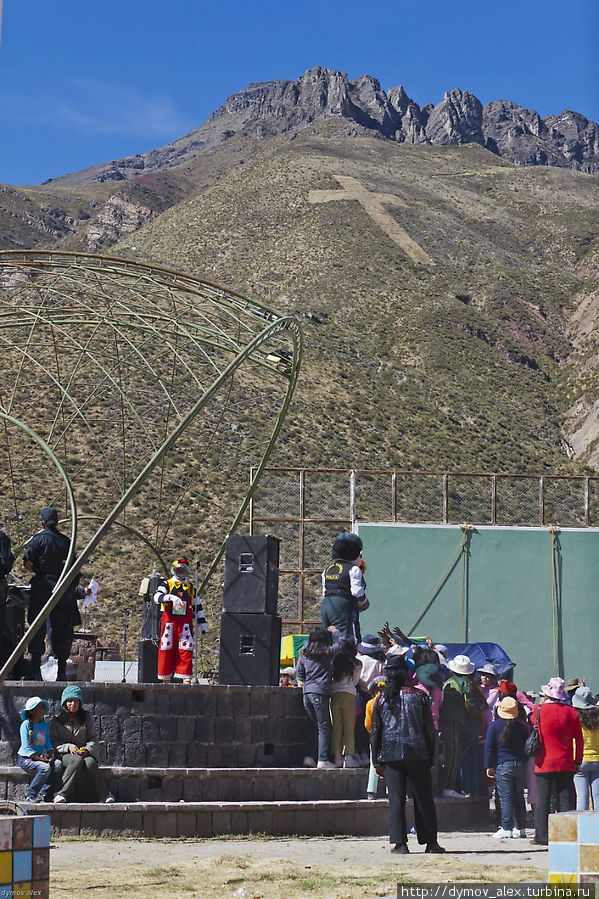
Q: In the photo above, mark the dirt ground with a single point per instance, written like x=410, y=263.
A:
x=279, y=868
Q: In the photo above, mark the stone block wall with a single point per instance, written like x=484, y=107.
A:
x=25, y=856
x=180, y=726
x=574, y=847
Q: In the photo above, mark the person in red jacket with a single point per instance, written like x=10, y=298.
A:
x=559, y=756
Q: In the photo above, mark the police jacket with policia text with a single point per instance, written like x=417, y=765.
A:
x=183, y=605
x=402, y=728
x=341, y=578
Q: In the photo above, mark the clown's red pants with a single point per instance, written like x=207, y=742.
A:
x=175, y=653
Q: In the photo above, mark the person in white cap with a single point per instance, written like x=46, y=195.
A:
x=460, y=715
x=586, y=779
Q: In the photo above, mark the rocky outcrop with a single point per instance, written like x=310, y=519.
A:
x=267, y=108
x=117, y=217
x=412, y=118
x=458, y=119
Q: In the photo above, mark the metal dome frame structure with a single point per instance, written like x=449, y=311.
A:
x=64, y=302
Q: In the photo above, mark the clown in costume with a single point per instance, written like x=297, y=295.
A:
x=176, y=598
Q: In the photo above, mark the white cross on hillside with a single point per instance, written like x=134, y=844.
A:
x=374, y=204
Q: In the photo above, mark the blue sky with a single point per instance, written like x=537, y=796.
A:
x=85, y=82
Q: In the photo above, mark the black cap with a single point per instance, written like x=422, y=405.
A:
x=49, y=515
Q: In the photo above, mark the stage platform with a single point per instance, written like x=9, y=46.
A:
x=229, y=763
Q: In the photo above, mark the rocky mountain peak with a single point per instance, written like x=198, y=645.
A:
x=262, y=110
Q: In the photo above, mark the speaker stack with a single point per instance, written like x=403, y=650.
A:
x=147, y=648
x=250, y=629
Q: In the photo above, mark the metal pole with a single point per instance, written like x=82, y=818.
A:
x=195, y=634
x=494, y=499
x=542, y=500
x=302, y=545
x=125, y=629
x=587, y=503
x=394, y=496
x=352, y=499
x=445, y=501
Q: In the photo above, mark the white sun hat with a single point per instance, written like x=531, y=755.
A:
x=461, y=665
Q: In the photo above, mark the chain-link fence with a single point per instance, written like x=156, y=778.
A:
x=306, y=507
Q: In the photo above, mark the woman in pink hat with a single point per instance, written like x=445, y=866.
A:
x=559, y=756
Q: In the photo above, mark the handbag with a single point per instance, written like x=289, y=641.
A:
x=533, y=743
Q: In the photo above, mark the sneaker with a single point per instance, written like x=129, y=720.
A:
x=352, y=762
x=502, y=834
x=309, y=762
x=328, y=766
x=38, y=798
x=451, y=794
x=518, y=834
x=60, y=798
x=435, y=849
x=109, y=798
x=338, y=761
x=371, y=795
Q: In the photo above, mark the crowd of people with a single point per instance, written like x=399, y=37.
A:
x=419, y=719
x=440, y=725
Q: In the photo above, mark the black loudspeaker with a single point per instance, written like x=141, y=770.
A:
x=151, y=613
x=147, y=662
x=251, y=574
x=250, y=649
x=13, y=628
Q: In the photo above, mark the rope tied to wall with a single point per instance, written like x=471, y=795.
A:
x=458, y=555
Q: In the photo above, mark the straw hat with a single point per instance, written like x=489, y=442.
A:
x=508, y=708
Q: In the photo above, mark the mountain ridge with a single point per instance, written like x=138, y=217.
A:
x=263, y=109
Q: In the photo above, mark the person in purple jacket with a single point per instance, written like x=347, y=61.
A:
x=505, y=760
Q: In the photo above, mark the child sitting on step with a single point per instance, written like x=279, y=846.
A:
x=36, y=753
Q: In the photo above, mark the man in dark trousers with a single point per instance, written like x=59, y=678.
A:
x=342, y=585
x=45, y=555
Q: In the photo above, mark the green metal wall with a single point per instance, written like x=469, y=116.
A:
x=499, y=590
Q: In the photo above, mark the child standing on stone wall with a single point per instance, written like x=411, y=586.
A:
x=314, y=670
x=346, y=674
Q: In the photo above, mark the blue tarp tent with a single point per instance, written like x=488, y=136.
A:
x=481, y=654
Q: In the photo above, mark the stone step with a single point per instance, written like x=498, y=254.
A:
x=176, y=726
x=211, y=784
x=211, y=819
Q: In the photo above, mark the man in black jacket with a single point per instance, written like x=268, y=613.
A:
x=403, y=744
x=46, y=555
